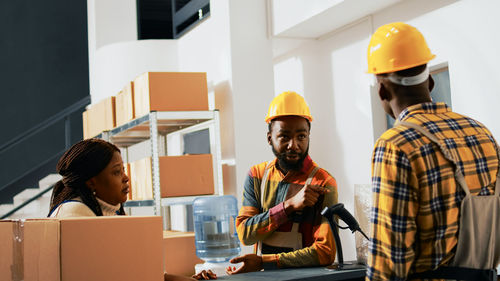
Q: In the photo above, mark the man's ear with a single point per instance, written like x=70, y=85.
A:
x=269, y=138
x=383, y=92
x=431, y=83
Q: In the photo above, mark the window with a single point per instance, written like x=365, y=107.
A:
x=169, y=19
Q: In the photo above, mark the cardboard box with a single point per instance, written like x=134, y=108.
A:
x=180, y=253
x=85, y=119
x=35, y=256
x=170, y=91
x=141, y=179
x=186, y=175
x=125, y=105
x=77, y=249
x=126, y=166
x=99, y=117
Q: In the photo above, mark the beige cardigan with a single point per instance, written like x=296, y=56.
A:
x=79, y=209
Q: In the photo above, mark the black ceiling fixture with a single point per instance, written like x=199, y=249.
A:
x=169, y=19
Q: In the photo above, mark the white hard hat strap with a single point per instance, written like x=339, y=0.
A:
x=409, y=80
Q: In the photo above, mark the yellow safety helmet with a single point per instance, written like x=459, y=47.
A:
x=397, y=46
x=288, y=103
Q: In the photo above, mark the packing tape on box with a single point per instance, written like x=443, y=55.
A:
x=18, y=250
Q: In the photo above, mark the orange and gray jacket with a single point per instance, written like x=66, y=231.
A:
x=257, y=221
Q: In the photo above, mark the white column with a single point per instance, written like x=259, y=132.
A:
x=253, y=83
x=115, y=54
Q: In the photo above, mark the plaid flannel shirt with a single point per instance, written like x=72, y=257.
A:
x=255, y=222
x=416, y=202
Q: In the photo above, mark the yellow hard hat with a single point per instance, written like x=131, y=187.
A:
x=288, y=103
x=397, y=46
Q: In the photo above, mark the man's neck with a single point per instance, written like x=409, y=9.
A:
x=401, y=104
x=282, y=170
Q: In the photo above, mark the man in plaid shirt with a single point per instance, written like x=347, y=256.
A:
x=416, y=201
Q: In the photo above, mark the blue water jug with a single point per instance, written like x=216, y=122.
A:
x=214, y=227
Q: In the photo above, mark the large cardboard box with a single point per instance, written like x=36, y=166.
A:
x=141, y=179
x=186, y=175
x=29, y=250
x=85, y=119
x=175, y=243
x=170, y=91
x=125, y=105
x=99, y=117
x=126, y=167
x=77, y=249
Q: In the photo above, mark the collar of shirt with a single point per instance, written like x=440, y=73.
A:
x=427, y=107
x=108, y=209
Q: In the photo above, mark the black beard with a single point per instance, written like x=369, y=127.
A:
x=287, y=166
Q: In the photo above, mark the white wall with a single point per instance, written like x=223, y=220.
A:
x=109, y=22
x=115, y=20
x=119, y=63
x=296, y=11
x=237, y=57
x=462, y=33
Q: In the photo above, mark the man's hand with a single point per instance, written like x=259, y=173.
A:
x=251, y=262
x=306, y=197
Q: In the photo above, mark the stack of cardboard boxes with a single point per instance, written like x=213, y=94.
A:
x=185, y=175
x=98, y=249
x=93, y=248
x=157, y=91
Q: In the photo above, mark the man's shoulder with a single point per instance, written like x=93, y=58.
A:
x=257, y=170
x=324, y=176
x=451, y=125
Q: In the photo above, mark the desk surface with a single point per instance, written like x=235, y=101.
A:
x=308, y=273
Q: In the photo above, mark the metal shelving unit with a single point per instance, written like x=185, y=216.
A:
x=155, y=126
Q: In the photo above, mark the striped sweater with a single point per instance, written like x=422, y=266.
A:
x=255, y=222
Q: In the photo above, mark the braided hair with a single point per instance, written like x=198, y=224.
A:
x=84, y=160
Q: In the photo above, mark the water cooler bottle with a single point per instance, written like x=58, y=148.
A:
x=215, y=232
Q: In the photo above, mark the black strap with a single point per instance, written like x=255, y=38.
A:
x=457, y=273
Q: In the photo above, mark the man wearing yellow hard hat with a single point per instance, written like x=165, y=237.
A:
x=283, y=197
x=427, y=172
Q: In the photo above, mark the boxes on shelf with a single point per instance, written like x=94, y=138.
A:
x=85, y=119
x=125, y=105
x=126, y=167
x=99, y=117
x=141, y=180
x=186, y=175
x=170, y=91
x=77, y=249
x=179, y=242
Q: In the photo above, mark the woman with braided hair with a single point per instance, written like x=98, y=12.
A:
x=94, y=182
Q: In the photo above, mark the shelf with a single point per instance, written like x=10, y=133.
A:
x=155, y=127
x=138, y=130
x=184, y=200
x=139, y=203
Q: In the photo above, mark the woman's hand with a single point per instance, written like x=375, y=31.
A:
x=205, y=275
x=251, y=262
